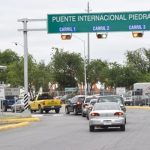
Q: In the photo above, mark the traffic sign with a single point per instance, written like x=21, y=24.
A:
x=71, y=89
x=98, y=22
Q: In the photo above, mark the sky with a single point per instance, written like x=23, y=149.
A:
x=40, y=43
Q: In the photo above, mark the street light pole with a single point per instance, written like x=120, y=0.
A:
x=85, y=86
x=25, y=56
x=88, y=35
x=25, y=46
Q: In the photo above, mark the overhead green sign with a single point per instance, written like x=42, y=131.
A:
x=98, y=22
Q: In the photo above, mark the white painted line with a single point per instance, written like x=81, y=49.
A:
x=37, y=115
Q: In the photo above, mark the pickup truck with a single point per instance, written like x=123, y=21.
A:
x=7, y=103
x=44, y=102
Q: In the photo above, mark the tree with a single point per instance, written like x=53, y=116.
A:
x=122, y=76
x=67, y=68
x=96, y=71
x=140, y=59
x=41, y=76
x=8, y=56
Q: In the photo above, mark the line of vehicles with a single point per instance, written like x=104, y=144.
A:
x=42, y=102
x=101, y=111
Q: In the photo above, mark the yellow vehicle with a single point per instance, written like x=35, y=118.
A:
x=45, y=102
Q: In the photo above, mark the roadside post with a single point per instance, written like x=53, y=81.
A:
x=2, y=97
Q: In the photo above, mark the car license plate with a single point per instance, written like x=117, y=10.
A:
x=107, y=122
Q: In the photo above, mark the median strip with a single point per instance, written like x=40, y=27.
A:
x=11, y=123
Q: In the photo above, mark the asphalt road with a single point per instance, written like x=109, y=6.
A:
x=70, y=132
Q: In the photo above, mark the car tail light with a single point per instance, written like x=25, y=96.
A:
x=95, y=114
x=78, y=103
x=118, y=114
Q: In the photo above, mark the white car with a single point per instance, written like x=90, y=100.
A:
x=107, y=114
x=18, y=106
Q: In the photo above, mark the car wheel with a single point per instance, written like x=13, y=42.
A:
x=67, y=111
x=20, y=110
x=30, y=109
x=46, y=111
x=125, y=120
x=122, y=127
x=87, y=116
x=4, y=108
x=40, y=109
x=75, y=111
x=91, y=128
x=57, y=110
x=83, y=115
x=12, y=110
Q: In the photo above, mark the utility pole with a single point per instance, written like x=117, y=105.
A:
x=25, y=30
x=88, y=43
x=88, y=36
x=25, y=46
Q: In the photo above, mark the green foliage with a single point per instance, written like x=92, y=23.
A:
x=15, y=74
x=139, y=59
x=67, y=68
x=123, y=76
x=96, y=71
x=41, y=76
x=7, y=57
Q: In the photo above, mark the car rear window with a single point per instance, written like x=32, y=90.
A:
x=110, y=99
x=44, y=96
x=88, y=99
x=81, y=99
x=106, y=107
x=92, y=102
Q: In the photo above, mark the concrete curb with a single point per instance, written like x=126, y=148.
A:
x=12, y=126
x=16, y=122
x=139, y=107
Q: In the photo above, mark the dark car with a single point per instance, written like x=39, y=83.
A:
x=8, y=102
x=113, y=98
x=74, y=104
